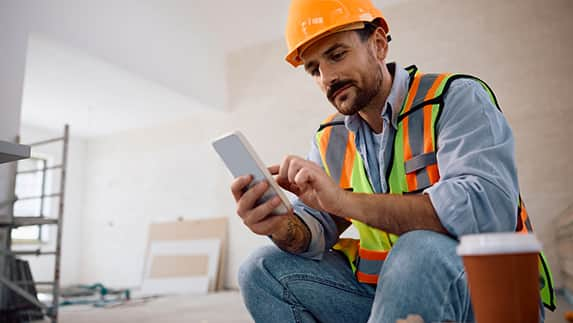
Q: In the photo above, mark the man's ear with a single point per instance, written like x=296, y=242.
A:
x=380, y=44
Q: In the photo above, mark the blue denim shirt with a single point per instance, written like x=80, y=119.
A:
x=478, y=188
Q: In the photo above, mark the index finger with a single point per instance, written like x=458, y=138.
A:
x=274, y=169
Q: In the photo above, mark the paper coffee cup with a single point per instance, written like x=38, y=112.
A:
x=503, y=276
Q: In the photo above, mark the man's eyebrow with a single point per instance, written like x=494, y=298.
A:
x=308, y=66
x=333, y=48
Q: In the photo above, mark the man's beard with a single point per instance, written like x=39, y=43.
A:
x=363, y=95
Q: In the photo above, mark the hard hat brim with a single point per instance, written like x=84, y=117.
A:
x=293, y=57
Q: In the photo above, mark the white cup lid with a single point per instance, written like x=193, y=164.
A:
x=498, y=243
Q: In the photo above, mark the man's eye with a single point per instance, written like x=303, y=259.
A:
x=338, y=56
x=314, y=72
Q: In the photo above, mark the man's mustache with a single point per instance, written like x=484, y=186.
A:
x=335, y=87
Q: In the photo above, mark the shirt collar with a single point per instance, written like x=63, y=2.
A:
x=394, y=100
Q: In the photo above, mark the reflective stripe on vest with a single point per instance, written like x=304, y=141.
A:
x=336, y=167
x=368, y=265
x=415, y=162
x=546, y=279
x=419, y=154
x=413, y=169
x=340, y=162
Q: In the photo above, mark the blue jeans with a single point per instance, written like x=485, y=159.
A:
x=421, y=275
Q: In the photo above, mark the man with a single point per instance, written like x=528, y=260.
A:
x=426, y=158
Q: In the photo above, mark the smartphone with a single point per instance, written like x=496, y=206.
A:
x=241, y=159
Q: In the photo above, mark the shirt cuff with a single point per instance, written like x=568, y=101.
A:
x=316, y=247
x=447, y=209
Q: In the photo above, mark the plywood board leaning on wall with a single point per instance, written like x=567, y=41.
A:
x=181, y=267
x=194, y=230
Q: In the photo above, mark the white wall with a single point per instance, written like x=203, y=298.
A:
x=142, y=176
x=43, y=267
x=164, y=41
x=521, y=48
x=65, y=84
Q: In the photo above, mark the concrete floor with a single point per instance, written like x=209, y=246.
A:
x=224, y=307
x=559, y=315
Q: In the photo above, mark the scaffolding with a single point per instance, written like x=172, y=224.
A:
x=22, y=284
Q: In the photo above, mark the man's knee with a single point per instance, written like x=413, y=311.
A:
x=421, y=251
x=252, y=269
x=265, y=264
x=422, y=274
x=424, y=239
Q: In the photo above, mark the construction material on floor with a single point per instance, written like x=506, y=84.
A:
x=185, y=257
x=181, y=267
x=97, y=295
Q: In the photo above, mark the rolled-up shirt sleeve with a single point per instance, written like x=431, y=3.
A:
x=478, y=187
x=322, y=227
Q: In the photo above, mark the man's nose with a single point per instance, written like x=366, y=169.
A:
x=329, y=76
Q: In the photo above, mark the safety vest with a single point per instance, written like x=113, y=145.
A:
x=413, y=169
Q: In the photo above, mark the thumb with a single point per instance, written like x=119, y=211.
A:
x=273, y=169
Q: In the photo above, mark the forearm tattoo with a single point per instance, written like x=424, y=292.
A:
x=296, y=238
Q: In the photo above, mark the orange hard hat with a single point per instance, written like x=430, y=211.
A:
x=309, y=20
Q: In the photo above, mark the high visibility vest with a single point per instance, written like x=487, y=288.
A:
x=413, y=169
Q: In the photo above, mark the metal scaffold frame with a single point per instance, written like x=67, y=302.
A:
x=10, y=222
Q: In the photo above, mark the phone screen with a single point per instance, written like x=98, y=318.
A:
x=241, y=159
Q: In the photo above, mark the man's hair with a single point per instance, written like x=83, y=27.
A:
x=367, y=31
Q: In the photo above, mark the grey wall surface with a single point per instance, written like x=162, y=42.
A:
x=13, y=36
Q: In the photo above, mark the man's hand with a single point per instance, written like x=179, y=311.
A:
x=310, y=183
x=256, y=217
x=287, y=230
